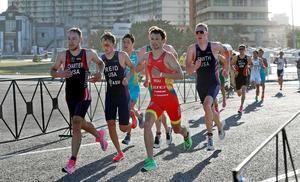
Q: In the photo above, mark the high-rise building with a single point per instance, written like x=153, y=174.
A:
x=227, y=18
x=93, y=14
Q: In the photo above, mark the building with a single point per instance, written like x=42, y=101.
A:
x=237, y=21
x=101, y=14
x=16, y=32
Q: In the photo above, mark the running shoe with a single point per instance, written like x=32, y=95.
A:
x=118, y=157
x=157, y=142
x=70, y=167
x=149, y=165
x=141, y=120
x=133, y=120
x=188, y=142
x=126, y=140
x=221, y=133
x=210, y=144
x=169, y=136
x=102, y=140
x=240, y=110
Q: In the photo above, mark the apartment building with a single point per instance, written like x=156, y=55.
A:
x=247, y=18
x=91, y=15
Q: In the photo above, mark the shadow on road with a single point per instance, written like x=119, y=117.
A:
x=8, y=155
x=252, y=107
x=279, y=95
x=126, y=175
x=176, y=150
x=232, y=121
x=196, y=123
x=91, y=172
x=192, y=174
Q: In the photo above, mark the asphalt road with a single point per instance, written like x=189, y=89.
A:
x=41, y=158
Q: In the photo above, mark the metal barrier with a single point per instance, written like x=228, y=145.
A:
x=236, y=171
x=40, y=103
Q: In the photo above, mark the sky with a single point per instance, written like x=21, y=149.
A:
x=275, y=6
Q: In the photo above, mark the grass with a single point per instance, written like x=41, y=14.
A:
x=25, y=67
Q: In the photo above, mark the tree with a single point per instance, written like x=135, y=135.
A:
x=94, y=40
x=179, y=39
x=290, y=40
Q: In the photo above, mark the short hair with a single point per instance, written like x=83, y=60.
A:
x=129, y=36
x=76, y=30
x=281, y=52
x=108, y=36
x=201, y=25
x=261, y=50
x=151, y=28
x=160, y=31
x=242, y=46
x=255, y=51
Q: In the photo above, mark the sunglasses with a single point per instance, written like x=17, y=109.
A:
x=241, y=49
x=200, y=32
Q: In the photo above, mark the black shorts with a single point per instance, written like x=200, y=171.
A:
x=114, y=103
x=212, y=91
x=78, y=107
x=240, y=81
x=279, y=73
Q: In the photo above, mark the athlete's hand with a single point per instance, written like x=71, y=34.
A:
x=95, y=77
x=65, y=73
x=155, y=73
x=197, y=64
x=125, y=81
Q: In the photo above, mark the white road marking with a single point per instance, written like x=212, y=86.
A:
x=44, y=151
x=281, y=177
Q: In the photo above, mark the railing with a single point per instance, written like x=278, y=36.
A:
x=35, y=106
x=236, y=172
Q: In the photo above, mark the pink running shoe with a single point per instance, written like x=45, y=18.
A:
x=102, y=140
x=240, y=110
x=119, y=157
x=70, y=167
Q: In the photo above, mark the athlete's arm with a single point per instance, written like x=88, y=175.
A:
x=275, y=60
x=191, y=67
x=224, y=63
x=285, y=62
x=172, y=64
x=171, y=49
x=59, y=61
x=99, y=67
x=141, y=60
x=125, y=62
x=233, y=64
x=265, y=62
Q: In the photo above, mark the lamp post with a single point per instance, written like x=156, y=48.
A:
x=293, y=27
x=54, y=32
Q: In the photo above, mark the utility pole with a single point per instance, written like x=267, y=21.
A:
x=293, y=27
x=54, y=22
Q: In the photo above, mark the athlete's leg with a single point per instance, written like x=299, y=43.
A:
x=90, y=128
x=244, y=88
x=76, y=138
x=113, y=134
x=208, y=117
x=148, y=135
x=223, y=95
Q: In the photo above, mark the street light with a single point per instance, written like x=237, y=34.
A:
x=293, y=27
